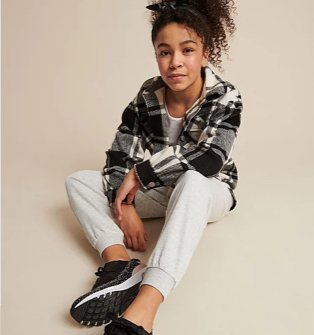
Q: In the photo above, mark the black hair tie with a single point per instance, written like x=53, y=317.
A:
x=165, y=6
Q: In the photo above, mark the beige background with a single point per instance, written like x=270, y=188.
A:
x=69, y=67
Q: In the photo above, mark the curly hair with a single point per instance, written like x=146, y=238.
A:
x=210, y=19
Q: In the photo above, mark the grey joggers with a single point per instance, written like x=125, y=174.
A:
x=187, y=208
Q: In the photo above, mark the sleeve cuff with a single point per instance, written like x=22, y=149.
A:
x=146, y=175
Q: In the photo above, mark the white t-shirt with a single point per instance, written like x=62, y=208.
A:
x=176, y=123
x=175, y=127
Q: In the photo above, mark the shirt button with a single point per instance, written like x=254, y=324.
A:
x=151, y=184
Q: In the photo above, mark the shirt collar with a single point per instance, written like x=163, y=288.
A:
x=212, y=82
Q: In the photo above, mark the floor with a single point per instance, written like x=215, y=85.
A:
x=251, y=273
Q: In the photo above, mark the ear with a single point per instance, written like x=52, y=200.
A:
x=205, y=58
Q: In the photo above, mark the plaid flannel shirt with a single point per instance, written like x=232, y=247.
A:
x=204, y=145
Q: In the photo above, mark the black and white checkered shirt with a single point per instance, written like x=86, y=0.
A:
x=205, y=143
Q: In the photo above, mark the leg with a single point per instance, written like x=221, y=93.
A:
x=91, y=208
x=149, y=204
x=90, y=205
x=195, y=201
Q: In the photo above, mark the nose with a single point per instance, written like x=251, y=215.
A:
x=176, y=61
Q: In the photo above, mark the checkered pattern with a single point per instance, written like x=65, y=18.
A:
x=205, y=143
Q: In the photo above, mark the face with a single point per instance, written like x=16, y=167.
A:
x=180, y=57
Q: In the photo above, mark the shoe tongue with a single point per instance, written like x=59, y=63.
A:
x=115, y=265
x=111, y=270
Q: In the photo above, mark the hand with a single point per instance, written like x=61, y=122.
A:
x=128, y=188
x=135, y=237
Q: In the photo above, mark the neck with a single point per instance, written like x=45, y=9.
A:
x=185, y=98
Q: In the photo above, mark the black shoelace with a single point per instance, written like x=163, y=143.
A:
x=100, y=271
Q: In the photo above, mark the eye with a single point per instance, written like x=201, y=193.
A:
x=188, y=50
x=164, y=53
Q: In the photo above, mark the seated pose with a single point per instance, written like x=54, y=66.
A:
x=187, y=119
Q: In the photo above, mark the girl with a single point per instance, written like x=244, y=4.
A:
x=187, y=118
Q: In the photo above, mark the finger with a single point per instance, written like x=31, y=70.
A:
x=117, y=204
x=142, y=243
x=115, y=211
x=135, y=243
x=130, y=198
x=114, y=207
x=128, y=242
x=143, y=240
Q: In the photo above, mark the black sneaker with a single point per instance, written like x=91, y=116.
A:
x=121, y=326
x=113, y=291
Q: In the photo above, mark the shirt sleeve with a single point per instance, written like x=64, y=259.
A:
x=125, y=151
x=207, y=156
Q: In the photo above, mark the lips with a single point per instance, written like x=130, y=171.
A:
x=177, y=77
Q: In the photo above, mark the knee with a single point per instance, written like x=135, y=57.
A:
x=74, y=178
x=191, y=178
x=191, y=181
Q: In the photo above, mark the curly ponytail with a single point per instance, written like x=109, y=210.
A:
x=210, y=19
